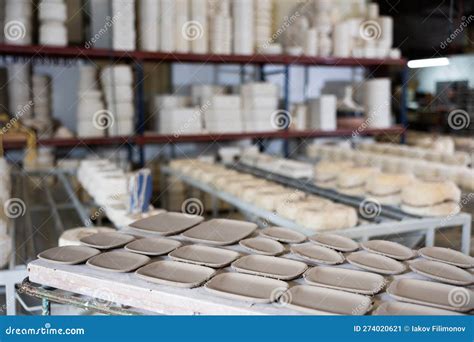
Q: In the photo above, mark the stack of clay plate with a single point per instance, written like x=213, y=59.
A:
x=224, y=115
x=42, y=105
x=243, y=20
x=445, y=289
x=123, y=31
x=149, y=21
x=221, y=32
x=260, y=107
x=18, y=22
x=53, y=16
x=352, y=181
x=117, y=82
x=182, y=37
x=199, y=35
x=167, y=26
x=5, y=191
x=19, y=92
x=263, y=23
x=90, y=103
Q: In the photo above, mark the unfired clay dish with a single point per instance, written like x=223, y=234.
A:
x=220, y=232
x=389, y=248
x=152, y=246
x=324, y=301
x=246, y=287
x=167, y=223
x=69, y=255
x=395, y=308
x=431, y=293
x=448, y=256
x=268, y=266
x=283, y=235
x=337, y=242
x=173, y=273
x=204, y=255
x=376, y=263
x=345, y=279
x=442, y=272
x=318, y=254
x=263, y=246
x=106, y=240
x=118, y=261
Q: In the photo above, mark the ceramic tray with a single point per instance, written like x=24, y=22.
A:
x=106, y=240
x=268, y=266
x=173, y=273
x=320, y=300
x=442, y=272
x=246, y=287
x=263, y=246
x=431, y=293
x=167, y=223
x=395, y=308
x=152, y=246
x=318, y=254
x=283, y=235
x=388, y=248
x=69, y=255
x=447, y=256
x=345, y=279
x=337, y=242
x=376, y=263
x=118, y=261
x=204, y=255
x=220, y=232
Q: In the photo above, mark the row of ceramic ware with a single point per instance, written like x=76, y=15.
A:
x=10, y=207
x=427, y=170
x=312, y=212
x=234, y=260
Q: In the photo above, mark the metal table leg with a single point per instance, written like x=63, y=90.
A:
x=430, y=237
x=466, y=236
x=45, y=307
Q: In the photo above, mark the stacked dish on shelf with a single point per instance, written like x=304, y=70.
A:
x=149, y=24
x=53, y=16
x=42, y=90
x=224, y=114
x=17, y=28
x=221, y=29
x=329, y=274
x=182, y=38
x=124, y=34
x=260, y=107
x=243, y=20
x=198, y=33
x=263, y=24
x=117, y=83
x=90, y=103
x=10, y=208
x=19, y=91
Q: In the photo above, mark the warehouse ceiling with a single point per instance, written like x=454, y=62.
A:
x=422, y=27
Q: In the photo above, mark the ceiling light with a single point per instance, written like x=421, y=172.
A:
x=428, y=62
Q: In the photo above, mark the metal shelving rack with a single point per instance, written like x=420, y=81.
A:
x=138, y=58
x=390, y=221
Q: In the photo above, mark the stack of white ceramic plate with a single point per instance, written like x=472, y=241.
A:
x=167, y=25
x=263, y=23
x=224, y=114
x=199, y=34
x=311, y=42
x=5, y=249
x=5, y=192
x=19, y=92
x=53, y=15
x=89, y=103
x=123, y=32
x=42, y=105
x=149, y=25
x=180, y=121
x=243, y=14
x=322, y=113
x=260, y=105
x=183, y=36
x=166, y=123
x=201, y=94
x=17, y=22
x=221, y=35
x=377, y=102
x=117, y=81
